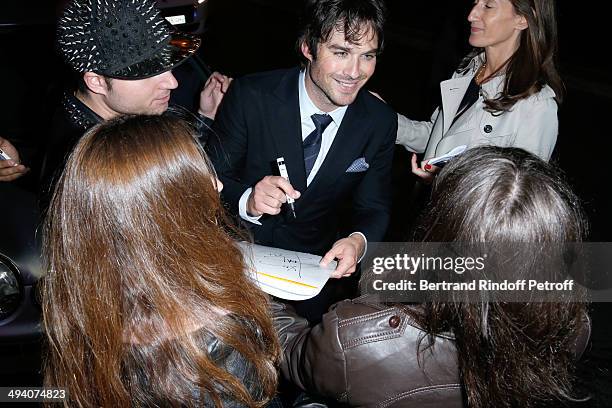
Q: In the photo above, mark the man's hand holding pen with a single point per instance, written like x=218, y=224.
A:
x=269, y=194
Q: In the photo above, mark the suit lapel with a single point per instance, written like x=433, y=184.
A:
x=349, y=141
x=452, y=91
x=287, y=127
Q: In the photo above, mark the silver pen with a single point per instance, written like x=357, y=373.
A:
x=282, y=169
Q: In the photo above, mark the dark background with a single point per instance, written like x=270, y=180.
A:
x=424, y=42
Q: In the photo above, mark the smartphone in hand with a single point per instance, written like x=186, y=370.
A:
x=4, y=156
x=444, y=159
x=441, y=163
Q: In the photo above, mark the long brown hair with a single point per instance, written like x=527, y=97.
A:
x=142, y=276
x=510, y=354
x=532, y=66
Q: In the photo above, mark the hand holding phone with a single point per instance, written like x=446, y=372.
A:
x=10, y=169
x=4, y=155
x=441, y=161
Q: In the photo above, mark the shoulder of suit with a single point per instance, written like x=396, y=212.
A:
x=375, y=105
x=266, y=80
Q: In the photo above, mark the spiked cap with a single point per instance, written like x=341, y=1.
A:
x=125, y=39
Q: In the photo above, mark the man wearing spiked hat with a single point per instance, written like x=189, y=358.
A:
x=123, y=52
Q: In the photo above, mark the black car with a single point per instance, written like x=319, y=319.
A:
x=22, y=117
x=20, y=268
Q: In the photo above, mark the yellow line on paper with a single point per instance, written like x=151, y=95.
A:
x=287, y=280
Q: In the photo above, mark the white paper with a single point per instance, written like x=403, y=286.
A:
x=445, y=157
x=286, y=274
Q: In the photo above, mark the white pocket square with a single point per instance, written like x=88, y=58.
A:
x=358, y=166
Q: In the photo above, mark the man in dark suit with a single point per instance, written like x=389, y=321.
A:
x=336, y=139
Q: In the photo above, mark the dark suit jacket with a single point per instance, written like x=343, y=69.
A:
x=259, y=121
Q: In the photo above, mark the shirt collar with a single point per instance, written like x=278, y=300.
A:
x=308, y=108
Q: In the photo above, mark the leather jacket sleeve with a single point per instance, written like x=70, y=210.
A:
x=365, y=353
x=234, y=363
x=313, y=357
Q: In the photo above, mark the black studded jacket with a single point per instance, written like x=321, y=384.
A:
x=71, y=120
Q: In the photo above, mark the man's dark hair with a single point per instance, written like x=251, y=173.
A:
x=355, y=18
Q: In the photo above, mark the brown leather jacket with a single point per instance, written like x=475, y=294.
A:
x=364, y=354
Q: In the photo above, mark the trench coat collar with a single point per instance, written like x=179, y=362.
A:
x=453, y=90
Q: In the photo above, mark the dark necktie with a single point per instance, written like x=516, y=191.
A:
x=312, y=143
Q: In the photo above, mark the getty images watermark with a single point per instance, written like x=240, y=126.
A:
x=510, y=272
x=458, y=265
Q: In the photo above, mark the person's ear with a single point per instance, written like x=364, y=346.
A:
x=95, y=83
x=521, y=22
x=305, y=49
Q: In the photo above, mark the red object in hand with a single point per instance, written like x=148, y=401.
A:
x=427, y=166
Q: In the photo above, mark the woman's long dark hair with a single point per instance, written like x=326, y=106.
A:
x=532, y=66
x=510, y=354
x=142, y=277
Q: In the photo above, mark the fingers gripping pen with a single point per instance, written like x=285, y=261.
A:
x=282, y=169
